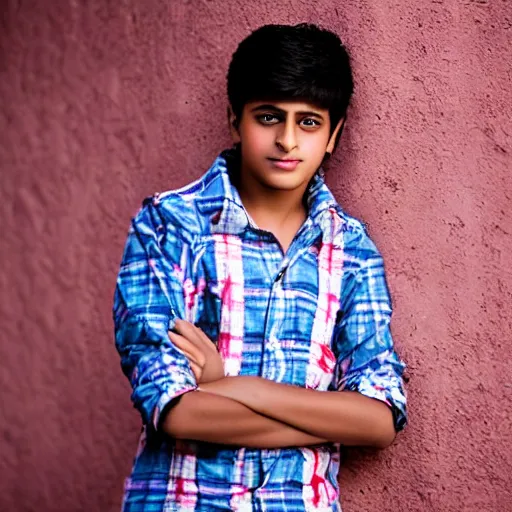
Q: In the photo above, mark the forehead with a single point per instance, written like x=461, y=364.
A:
x=288, y=106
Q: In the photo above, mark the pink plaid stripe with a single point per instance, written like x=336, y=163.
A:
x=182, y=489
x=240, y=495
x=330, y=273
x=318, y=491
x=230, y=276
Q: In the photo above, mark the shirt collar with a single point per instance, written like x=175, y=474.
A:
x=221, y=201
x=320, y=199
x=219, y=198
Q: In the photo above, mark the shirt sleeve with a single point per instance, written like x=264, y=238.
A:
x=366, y=359
x=148, y=299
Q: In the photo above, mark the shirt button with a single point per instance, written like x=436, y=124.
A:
x=281, y=274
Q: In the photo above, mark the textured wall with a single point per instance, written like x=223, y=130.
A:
x=104, y=102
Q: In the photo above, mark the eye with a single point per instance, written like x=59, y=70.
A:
x=309, y=122
x=268, y=119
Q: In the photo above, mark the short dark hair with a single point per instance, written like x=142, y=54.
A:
x=283, y=62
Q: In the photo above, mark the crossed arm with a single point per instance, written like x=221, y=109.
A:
x=255, y=412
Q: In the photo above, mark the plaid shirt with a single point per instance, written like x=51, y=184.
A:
x=316, y=317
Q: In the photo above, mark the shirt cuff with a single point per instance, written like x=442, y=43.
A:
x=393, y=396
x=164, y=401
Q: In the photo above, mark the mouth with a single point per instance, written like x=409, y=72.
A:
x=287, y=164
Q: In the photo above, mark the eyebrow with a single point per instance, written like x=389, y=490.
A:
x=269, y=106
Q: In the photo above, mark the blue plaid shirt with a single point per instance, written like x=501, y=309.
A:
x=317, y=317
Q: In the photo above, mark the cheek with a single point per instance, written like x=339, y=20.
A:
x=316, y=147
x=255, y=143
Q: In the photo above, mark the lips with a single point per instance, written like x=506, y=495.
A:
x=285, y=164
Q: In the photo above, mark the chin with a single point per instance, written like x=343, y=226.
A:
x=285, y=183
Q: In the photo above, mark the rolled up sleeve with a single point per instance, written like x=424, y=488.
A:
x=148, y=299
x=366, y=359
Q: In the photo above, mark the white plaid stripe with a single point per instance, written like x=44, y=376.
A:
x=230, y=277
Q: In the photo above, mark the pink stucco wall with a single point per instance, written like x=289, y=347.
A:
x=104, y=102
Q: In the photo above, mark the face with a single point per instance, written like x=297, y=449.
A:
x=283, y=143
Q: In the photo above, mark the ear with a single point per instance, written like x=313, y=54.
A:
x=233, y=126
x=332, y=139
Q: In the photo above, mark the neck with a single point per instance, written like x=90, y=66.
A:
x=272, y=209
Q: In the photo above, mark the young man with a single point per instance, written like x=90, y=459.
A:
x=251, y=313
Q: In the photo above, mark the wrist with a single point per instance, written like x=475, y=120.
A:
x=216, y=387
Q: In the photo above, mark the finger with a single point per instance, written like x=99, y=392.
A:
x=191, y=358
x=192, y=353
x=189, y=331
x=185, y=345
x=205, y=339
x=202, y=340
x=197, y=371
x=180, y=340
x=199, y=365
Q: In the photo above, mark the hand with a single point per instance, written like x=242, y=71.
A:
x=251, y=391
x=247, y=390
x=200, y=351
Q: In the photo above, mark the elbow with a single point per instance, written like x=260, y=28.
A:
x=384, y=439
x=385, y=432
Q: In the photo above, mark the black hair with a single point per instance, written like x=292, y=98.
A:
x=283, y=62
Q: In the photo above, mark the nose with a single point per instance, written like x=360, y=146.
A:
x=286, y=138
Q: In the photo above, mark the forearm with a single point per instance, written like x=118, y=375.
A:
x=345, y=417
x=202, y=416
